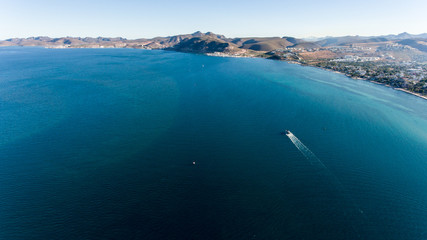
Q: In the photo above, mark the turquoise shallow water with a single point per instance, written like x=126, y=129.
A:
x=99, y=144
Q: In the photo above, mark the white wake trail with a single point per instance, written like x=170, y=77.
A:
x=326, y=173
x=304, y=150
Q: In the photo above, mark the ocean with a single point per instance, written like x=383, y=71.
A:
x=140, y=144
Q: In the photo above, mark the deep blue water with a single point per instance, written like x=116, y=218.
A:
x=99, y=144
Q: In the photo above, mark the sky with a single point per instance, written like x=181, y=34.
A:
x=145, y=19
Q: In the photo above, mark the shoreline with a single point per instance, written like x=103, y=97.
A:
x=374, y=82
x=330, y=70
x=412, y=93
x=358, y=78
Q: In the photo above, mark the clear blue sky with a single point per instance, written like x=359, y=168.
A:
x=137, y=19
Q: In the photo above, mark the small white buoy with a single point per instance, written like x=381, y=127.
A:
x=194, y=163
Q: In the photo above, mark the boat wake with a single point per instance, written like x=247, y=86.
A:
x=304, y=150
x=354, y=211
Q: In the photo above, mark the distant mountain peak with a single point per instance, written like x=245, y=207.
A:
x=197, y=34
x=404, y=34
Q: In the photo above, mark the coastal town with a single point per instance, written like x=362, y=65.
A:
x=394, y=65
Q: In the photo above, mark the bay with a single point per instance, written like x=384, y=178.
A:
x=100, y=144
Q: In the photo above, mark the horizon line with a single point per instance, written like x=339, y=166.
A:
x=271, y=36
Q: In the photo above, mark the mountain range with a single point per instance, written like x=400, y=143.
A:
x=210, y=42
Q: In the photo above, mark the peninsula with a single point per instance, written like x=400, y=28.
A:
x=398, y=61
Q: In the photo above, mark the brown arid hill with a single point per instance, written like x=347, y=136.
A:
x=157, y=42
x=306, y=45
x=262, y=44
x=171, y=41
x=420, y=44
x=204, y=44
x=348, y=40
x=322, y=54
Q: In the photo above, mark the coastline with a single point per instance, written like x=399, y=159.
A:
x=412, y=93
x=378, y=83
x=334, y=71
x=222, y=54
x=358, y=78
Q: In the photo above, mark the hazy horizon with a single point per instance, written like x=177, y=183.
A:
x=307, y=37
x=133, y=19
